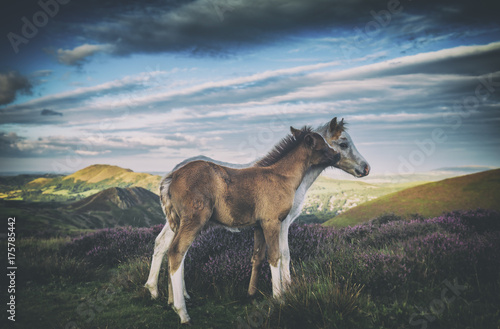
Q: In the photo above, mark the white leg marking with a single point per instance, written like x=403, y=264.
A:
x=276, y=277
x=285, y=254
x=162, y=243
x=179, y=302
x=186, y=295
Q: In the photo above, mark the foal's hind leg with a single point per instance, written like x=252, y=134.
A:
x=187, y=232
x=162, y=242
x=259, y=252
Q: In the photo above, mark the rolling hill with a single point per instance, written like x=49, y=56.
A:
x=112, y=207
x=329, y=197
x=76, y=186
x=480, y=190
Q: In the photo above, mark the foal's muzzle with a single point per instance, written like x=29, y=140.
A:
x=364, y=172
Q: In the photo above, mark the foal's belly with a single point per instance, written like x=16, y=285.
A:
x=229, y=218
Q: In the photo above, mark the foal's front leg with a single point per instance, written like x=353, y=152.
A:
x=272, y=233
x=259, y=252
x=285, y=254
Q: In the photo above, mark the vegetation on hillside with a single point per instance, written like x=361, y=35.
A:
x=440, y=272
x=79, y=185
x=329, y=197
x=459, y=193
x=109, y=208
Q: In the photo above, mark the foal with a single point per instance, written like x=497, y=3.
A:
x=202, y=191
x=351, y=162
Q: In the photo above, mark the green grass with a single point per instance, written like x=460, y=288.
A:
x=481, y=190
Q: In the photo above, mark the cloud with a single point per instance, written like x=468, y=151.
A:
x=16, y=146
x=78, y=55
x=42, y=73
x=219, y=27
x=73, y=100
x=408, y=96
x=12, y=84
x=427, y=80
x=50, y=112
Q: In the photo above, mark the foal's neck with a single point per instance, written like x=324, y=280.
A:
x=294, y=165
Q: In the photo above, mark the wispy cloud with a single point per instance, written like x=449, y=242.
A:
x=78, y=55
x=406, y=96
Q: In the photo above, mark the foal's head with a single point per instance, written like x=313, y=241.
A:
x=322, y=154
x=351, y=160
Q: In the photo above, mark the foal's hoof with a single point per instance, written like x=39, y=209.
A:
x=154, y=293
x=187, y=324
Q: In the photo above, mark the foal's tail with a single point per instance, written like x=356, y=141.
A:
x=166, y=204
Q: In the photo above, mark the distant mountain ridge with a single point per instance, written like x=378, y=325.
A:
x=479, y=190
x=112, y=207
x=76, y=186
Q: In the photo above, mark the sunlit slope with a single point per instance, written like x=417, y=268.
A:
x=114, y=176
x=480, y=190
x=328, y=197
x=79, y=185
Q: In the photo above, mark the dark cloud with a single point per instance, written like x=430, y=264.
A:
x=50, y=112
x=11, y=84
x=23, y=113
x=10, y=144
x=215, y=27
x=222, y=27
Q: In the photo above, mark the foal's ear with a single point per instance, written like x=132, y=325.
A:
x=310, y=141
x=295, y=132
x=333, y=124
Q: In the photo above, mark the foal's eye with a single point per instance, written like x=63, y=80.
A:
x=343, y=145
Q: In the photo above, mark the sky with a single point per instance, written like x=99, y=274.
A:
x=147, y=84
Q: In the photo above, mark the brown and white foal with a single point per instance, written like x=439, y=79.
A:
x=202, y=191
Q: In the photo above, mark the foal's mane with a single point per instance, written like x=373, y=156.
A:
x=284, y=147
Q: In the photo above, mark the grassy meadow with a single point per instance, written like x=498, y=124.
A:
x=440, y=272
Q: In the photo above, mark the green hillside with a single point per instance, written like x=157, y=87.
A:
x=328, y=197
x=480, y=190
x=79, y=185
x=112, y=207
